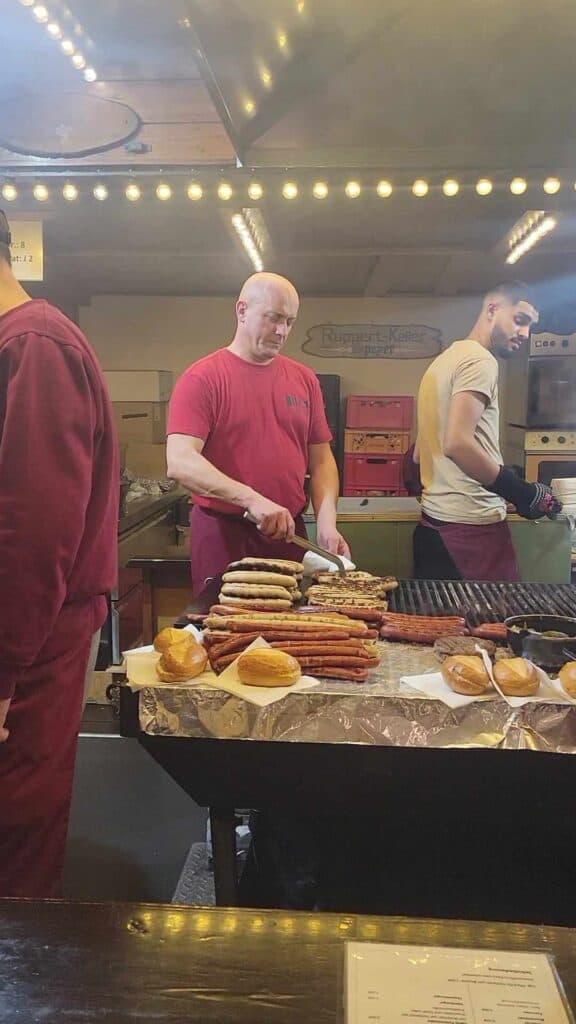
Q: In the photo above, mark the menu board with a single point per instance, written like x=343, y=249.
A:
x=387, y=984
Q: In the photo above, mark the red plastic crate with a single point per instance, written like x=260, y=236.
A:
x=379, y=412
x=375, y=472
x=363, y=492
x=376, y=442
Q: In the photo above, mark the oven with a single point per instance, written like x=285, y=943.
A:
x=549, y=455
x=551, y=382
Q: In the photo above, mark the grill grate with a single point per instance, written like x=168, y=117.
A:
x=482, y=602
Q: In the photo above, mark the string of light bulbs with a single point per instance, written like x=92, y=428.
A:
x=43, y=16
x=14, y=188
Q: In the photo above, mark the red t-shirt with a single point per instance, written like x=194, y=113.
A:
x=256, y=422
x=59, y=481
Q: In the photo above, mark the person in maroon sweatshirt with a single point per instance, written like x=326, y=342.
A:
x=59, y=481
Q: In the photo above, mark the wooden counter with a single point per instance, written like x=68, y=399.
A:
x=110, y=963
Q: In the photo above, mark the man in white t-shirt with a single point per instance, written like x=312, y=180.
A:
x=463, y=533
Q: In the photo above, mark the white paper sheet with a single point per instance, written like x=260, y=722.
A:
x=432, y=685
x=141, y=672
x=387, y=984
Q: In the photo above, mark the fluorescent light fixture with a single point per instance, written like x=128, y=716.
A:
x=527, y=232
x=243, y=230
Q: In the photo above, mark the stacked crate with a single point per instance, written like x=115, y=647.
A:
x=140, y=405
x=376, y=437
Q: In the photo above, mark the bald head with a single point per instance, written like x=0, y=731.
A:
x=266, y=309
x=265, y=285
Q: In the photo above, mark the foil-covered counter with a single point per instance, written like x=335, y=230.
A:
x=382, y=712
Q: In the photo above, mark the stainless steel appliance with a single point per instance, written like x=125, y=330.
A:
x=540, y=401
x=541, y=387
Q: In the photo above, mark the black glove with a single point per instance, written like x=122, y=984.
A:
x=532, y=501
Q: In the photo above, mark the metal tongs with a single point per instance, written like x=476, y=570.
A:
x=302, y=542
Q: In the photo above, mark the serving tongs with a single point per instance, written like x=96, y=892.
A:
x=303, y=542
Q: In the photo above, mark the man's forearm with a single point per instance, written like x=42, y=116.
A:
x=324, y=487
x=472, y=460
x=198, y=475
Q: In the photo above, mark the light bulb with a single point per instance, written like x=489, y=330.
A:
x=164, y=192
x=79, y=61
x=484, y=186
x=133, y=192
x=420, y=188
x=100, y=192
x=41, y=193
x=53, y=29
x=450, y=187
x=320, y=190
x=249, y=106
x=225, y=191
x=290, y=190
x=384, y=189
x=518, y=186
x=552, y=186
x=40, y=13
x=194, y=191
x=9, y=192
x=67, y=47
x=282, y=40
x=266, y=77
x=353, y=189
x=70, y=191
x=90, y=75
x=255, y=190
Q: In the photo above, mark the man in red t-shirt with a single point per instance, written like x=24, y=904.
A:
x=59, y=482
x=246, y=424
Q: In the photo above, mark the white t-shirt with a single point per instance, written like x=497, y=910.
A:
x=449, y=494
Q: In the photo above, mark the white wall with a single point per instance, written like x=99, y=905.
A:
x=169, y=333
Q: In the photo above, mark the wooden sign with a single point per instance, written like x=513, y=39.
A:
x=373, y=341
x=27, y=250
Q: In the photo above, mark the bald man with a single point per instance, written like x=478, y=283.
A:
x=246, y=425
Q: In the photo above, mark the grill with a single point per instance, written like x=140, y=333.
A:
x=482, y=602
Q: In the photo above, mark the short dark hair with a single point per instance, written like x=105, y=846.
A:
x=515, y=292
x=5, y=253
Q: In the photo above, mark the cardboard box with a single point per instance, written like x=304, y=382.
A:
x=141, y=421
x=139, y=385
x=147, y=460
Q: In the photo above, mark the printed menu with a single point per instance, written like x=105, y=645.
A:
x=388, y=984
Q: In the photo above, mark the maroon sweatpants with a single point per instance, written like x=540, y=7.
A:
x=216, y=540
x=37, y=760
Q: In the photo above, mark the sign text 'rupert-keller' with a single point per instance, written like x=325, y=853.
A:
x=373, y=341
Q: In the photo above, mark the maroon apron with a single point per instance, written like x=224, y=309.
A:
x=464, y=551
x=37, y=760
x=217, y=539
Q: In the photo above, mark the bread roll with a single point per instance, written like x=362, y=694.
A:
x=567, y=677
x=466, y=674
x=516, y=677
x=181, y=661
x=167, y=637
x=267, y=667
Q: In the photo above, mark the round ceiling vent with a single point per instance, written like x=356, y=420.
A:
x=64, y=125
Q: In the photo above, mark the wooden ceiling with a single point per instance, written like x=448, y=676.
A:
x=299, y=90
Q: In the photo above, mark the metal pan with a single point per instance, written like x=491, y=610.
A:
x=548, y=652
